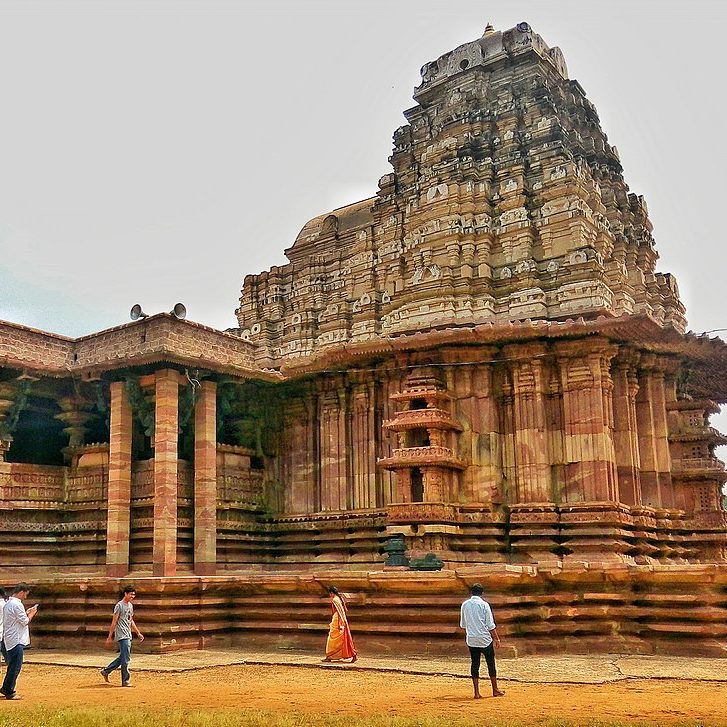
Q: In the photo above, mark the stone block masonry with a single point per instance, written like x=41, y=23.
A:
x=479, y=366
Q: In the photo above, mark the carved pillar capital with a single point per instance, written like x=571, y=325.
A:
x=76, y=412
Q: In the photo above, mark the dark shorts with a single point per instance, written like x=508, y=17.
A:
x=476, y=653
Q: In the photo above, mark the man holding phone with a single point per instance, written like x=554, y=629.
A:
x=16, y=636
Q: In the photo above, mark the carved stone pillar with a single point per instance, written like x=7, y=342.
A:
x=661, y=432
x=435, y=485
x=334, y=453
x=7, y=397
x=119, y=486
x=507, y=404
x=363, y=445
x=392, y=382
x=205, y=480
x=481, y=438
x=301, y=493
x=588, y=421
x=650, y=485
x=532, y=468
x=166, y=432
x=313, y=442
x=625, y=434
x=13, y=398
x=403, y=486
x=75, y=415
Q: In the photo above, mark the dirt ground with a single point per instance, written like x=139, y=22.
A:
x=346, y=691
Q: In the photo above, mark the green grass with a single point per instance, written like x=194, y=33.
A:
x=108, y=717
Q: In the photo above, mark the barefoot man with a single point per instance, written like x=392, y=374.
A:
x=479, y=625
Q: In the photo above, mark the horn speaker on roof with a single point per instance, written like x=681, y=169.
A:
x=179, y=311
x=136, y=312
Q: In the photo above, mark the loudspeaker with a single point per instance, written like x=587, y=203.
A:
x=179, y=311
x=136, y=312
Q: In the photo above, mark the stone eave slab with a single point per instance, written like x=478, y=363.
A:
x=155, y=339
x=707, y=356
x=639, y=329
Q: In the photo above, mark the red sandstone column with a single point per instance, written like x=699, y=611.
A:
x=363, y=443
x=334, y=450
x=650, y=491
x=531, y=443
x=313, y=473
x=205, y=480
x=661, y=435
x=300, y=496
x=119, y=487
x=343, y=442
x=481, y=435
x=588, y=410
x=509, y=474
x=329, y=451
x=165, y=473
x=370, y=444
x=625, y=430
x=391, y=485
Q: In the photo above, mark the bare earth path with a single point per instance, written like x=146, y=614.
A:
x=380, y=687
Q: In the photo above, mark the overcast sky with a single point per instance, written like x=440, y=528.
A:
x=156, y=152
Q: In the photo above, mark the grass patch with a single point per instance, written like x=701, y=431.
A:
x=109, y=717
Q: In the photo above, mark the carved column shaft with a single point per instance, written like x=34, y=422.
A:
x=485, y=474
x=509, y=474
x=166, y=432
x=661, y=437
x=205, y=480
x=363, y=446
x=625, y=433
x=588, y=420
x=532, y=468
x=647, y=430
x=118, y=521
x=334, y=452
x=301, y=495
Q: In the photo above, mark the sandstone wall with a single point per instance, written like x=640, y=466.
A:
x=648, y=609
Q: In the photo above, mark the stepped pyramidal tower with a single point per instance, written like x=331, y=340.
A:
x=477, y=371
x=506, y=203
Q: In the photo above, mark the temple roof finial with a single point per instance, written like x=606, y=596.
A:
x=489, y=30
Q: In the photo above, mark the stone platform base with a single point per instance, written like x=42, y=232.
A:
x=607, y=608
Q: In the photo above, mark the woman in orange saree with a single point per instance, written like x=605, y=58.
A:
x=339, y=644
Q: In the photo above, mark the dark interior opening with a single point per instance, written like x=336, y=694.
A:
x=417, y=485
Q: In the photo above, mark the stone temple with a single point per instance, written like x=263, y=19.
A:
x=475, y=375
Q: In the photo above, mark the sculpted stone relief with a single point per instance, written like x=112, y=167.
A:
x=462, y=209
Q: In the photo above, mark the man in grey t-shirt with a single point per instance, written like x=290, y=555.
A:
x=122, y=624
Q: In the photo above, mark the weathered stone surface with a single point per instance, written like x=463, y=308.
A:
x=536, y=610
x=165, y=472
x=481, y=361
x=119, y=487
x=205, y=480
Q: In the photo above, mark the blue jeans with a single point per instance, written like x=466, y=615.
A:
x=14, y=658
x=122, y=660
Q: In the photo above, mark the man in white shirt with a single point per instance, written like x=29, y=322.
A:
x=16, y=636
x=481, y=636
x=3, y=598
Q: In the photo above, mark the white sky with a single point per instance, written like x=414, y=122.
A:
x=156, y=152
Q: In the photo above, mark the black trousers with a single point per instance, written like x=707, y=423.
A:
x=476, y=653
